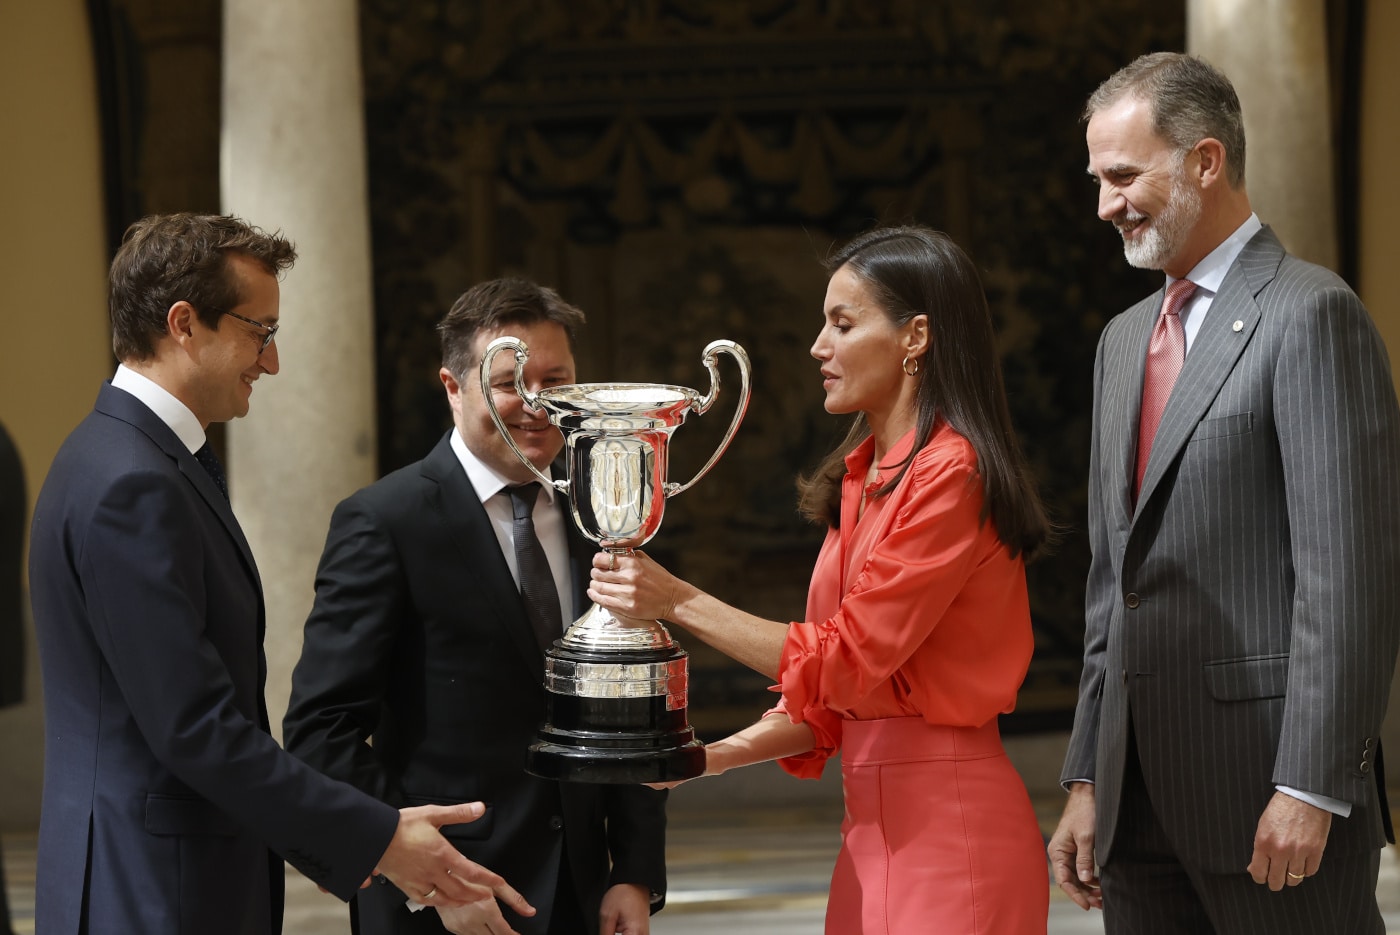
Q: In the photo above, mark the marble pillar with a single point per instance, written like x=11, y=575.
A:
x=293, y=159
x=53, y=294
x=1380, y=242
x=1275, y=53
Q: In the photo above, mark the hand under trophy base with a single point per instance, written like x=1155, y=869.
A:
x=616, y=686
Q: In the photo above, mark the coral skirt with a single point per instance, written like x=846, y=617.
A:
x=939, y=836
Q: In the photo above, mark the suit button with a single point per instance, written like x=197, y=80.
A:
x=1370, y=742
x=555, y=823
x=1365, y=766
x=1132, y=600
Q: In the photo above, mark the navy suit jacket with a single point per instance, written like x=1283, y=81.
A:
x=419, y=639
x=165, y=798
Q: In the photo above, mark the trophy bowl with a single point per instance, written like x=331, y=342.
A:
x=616, y=686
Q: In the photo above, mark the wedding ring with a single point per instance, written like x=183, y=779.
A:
x=1295, y=876
x=612, y=561
x=430, y=894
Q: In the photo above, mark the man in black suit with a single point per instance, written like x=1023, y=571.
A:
x=166, y=800
x=420, y=639
x=12, y=511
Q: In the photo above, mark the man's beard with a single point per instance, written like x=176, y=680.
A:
x=1166, y=232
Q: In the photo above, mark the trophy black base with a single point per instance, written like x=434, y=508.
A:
x=616, y=716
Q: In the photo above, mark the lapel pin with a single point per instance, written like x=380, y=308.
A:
x=1238, y=326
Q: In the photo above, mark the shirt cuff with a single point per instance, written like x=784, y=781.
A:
x=1338, y=807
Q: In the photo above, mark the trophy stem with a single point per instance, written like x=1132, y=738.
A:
x=600, y=628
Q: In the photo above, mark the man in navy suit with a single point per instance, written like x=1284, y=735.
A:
x=166, y=801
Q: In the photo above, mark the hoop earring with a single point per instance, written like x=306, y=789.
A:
x=907, y=362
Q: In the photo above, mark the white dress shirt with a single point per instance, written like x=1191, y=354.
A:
x=166, y=407
x=1210, y=273
x=549, y=520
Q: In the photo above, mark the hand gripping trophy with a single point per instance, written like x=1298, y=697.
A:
x=616, y=685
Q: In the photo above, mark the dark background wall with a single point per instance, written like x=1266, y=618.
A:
x=679, y=168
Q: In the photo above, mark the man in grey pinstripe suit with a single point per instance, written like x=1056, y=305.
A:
x=1243, y=607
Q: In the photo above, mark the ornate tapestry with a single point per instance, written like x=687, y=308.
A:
x=679, y=168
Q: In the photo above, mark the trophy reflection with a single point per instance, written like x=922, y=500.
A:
x=617, y=685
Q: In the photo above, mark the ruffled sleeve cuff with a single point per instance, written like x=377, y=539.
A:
x=799, y=680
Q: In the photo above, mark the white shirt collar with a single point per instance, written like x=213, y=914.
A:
x=166, y=407
x=1210, y=272
x=485, y=480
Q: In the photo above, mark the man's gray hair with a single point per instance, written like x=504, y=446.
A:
x=1191, y=100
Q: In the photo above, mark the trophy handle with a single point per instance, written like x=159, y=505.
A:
x=522, y=354
x=701, y=406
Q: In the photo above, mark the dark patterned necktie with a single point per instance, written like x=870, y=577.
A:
x=536, y=580
x=1165, y=355
x=210, y=462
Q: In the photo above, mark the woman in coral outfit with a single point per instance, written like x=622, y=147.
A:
x=918, y=629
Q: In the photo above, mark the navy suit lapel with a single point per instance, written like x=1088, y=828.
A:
x=123, y=406
x=1233, y=316
x=485, y=576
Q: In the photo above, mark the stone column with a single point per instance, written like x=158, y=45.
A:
x=1380, y=139
x=1275, y=53
x=293, y=158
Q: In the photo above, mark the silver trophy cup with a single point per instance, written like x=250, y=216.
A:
x=617, y=685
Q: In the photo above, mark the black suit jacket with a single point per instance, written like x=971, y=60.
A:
x=164, y=794
x=419, y=639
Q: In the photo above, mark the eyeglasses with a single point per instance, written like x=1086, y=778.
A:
x=269, y=331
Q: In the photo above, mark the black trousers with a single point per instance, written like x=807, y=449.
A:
x=567, y=917
x=1149, y=890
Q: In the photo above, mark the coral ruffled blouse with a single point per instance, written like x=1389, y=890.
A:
x=915, y=608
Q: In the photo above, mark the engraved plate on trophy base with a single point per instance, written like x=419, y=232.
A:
x=616, y=717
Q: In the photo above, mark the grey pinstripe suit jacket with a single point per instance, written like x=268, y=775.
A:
x=1247, y=609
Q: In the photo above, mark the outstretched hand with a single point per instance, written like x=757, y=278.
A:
x=626, y=910
x=421, y=862
x=710, y=770
x=482, y=917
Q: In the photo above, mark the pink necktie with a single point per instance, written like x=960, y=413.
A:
x=1165, y=355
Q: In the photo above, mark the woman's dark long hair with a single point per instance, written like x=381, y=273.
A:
x=917, y=271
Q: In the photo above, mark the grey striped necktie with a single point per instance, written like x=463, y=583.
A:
x=536, y=580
